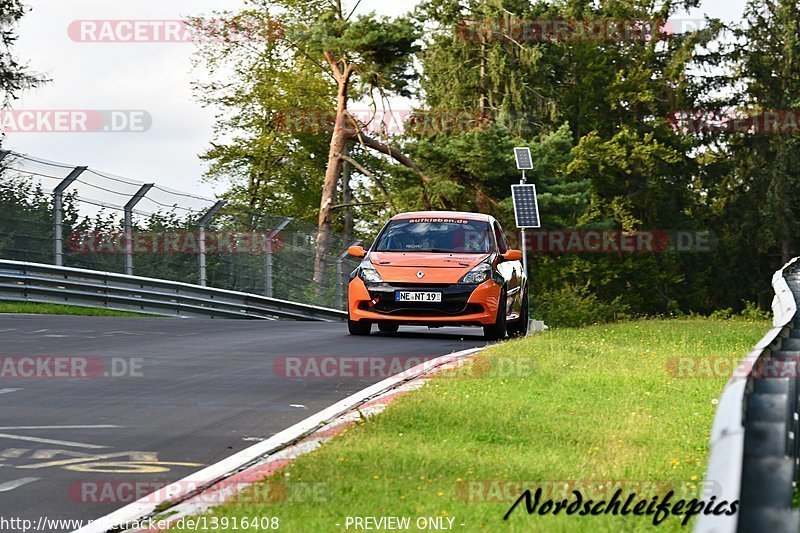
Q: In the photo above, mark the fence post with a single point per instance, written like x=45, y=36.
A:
x=58, y=213
x=268, y=257
x=129, y=225
x=340, y=275
x=201, y=237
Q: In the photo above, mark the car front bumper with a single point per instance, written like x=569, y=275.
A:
x=474, y=305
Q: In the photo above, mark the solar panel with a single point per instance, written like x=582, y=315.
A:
x=526, y=208
x=523, y=156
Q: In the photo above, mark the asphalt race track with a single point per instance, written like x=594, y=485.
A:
x=120, y=405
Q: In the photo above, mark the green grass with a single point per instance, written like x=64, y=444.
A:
x=57, y=309
x=595, y=403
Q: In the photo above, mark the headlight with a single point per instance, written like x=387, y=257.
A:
x=368, y=273
x=479, y=274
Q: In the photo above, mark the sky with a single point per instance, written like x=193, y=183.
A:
x=151, y=79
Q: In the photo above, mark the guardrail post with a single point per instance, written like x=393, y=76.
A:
x=58, y=213
x=268, y=257
x=340, y=276
x=201, y=237
x=129, y=225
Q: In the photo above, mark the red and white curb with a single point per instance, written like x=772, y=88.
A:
x=225, y=479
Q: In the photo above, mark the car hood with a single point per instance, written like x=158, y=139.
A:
x=435, y=267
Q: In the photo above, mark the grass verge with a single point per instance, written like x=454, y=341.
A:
x=32, y=308
x=603, y=404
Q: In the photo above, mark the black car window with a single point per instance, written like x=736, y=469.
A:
x=425, y=234
x=502, y=244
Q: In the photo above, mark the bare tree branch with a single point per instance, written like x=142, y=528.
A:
x=377, y=180
x=397, y=155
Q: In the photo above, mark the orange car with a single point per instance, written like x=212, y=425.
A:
x=439, y=268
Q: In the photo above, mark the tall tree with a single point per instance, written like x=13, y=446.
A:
x=263, y=147
x=768, y=57
x=15, y=75
x=366, y=56
x=593, y=106
x=321, y=58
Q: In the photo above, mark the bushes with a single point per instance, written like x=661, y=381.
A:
x=575, y=306
x=751, y=311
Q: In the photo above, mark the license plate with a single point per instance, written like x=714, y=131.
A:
x=409, y=296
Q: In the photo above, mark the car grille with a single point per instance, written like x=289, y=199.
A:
x=454, y=300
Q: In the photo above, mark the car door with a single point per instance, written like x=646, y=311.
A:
x=511, y=272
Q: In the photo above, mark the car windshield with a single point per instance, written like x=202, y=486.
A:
x=438, y=235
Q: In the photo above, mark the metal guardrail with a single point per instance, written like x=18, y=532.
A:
x=35, y=282
x=753, y=455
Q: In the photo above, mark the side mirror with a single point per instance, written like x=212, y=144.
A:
x=357, y=251
x=512, y=255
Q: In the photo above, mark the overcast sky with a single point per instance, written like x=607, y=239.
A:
x=141, y=76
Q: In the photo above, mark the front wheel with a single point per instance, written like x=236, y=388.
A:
x=358, y=328
x=520, y=327
x=497, y=331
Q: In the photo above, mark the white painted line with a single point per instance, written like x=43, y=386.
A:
x=97, y=426
x=220, y=492
x=11, y=485
x=11, y=453
x=50, y=441
x=179, y=490
x=6, y=391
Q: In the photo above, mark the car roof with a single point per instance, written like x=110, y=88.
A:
x=443, y=214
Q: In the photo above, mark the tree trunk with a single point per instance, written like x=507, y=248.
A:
x=347, y=196
x=332, y=172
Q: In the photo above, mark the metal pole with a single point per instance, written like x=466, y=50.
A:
x=339, y=282
x=202, y=222
x=58, y=213
x=201, y=271
x=340, y=276
x=524, y=253
x=268, y=257
x=129, y=225
x=522, y=231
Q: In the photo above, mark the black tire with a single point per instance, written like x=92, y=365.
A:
x=388, y=327
x=497, y=331
x=359, y=328
x=519, y=328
